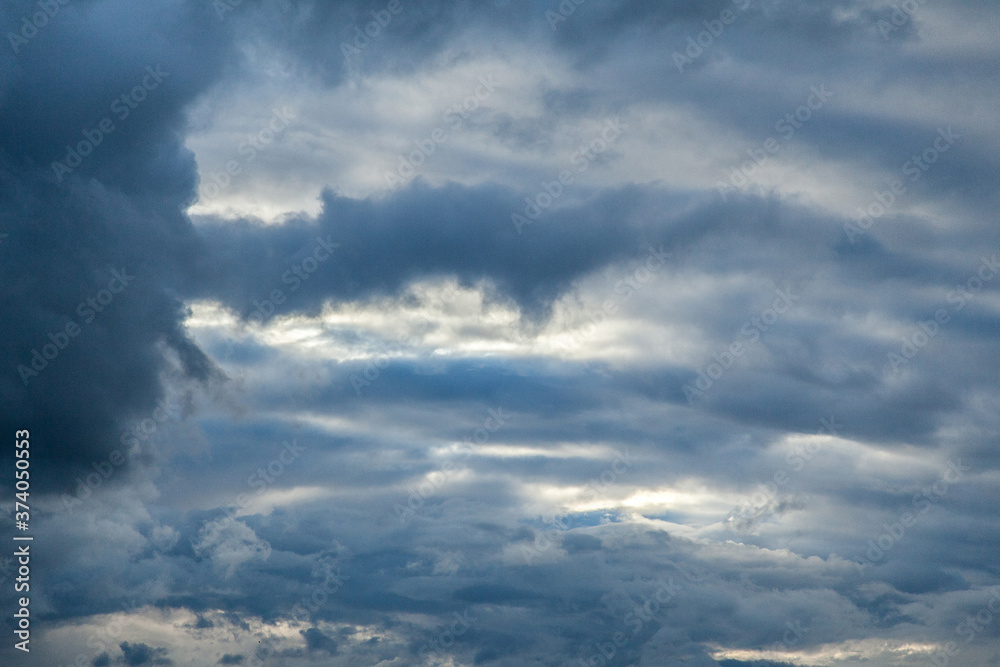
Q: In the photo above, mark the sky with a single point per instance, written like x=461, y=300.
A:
x=502, y=332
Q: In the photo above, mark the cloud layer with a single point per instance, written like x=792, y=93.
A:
x=503, y=333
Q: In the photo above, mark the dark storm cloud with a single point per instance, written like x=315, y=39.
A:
x=423, y=232
x=113, y=224
x=317, y=641
x=140, y=655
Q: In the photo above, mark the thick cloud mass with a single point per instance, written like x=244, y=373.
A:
x=502, y=333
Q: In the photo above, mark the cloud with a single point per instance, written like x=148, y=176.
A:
x=162, y=345
x=230, y=544
x=137, y=655
x=317, y=641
